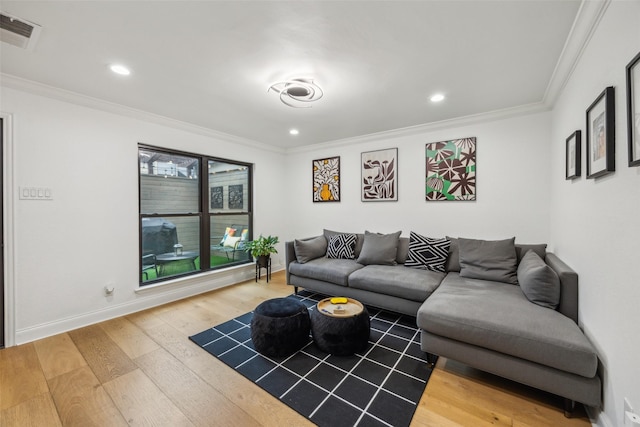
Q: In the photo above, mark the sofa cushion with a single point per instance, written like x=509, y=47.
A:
x=498, y=316
x=309, y=249
x=489, y=260
x=326, y=269
x=453, y=260
x=427, y=253
x=379, y=249
x=540, y=249
x=538, y=281
x=396, y=280
x=341, y=246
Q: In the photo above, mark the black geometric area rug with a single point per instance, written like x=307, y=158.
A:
x=381, y=386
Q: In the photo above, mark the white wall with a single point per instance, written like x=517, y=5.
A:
x=66, y=250
x=595, y=225
x=512, y=185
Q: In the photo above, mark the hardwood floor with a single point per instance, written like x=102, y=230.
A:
x=142, y=369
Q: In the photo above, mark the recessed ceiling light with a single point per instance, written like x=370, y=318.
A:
x=437, y=97
x=120, y=69
x=294, y=131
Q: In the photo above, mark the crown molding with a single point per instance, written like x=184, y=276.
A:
x=42, y=89
x=490, y=116
x=584, y=26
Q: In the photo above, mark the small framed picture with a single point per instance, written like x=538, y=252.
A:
x=601, y=134
x=379, y=175
x=633, y=110
x=573, y=155
x=326, y=180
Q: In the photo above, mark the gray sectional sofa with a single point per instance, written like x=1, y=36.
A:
x=523, y=326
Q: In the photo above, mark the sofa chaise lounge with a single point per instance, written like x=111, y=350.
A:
x=522, y=326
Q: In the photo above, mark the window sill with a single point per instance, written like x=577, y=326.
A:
x=219, y=275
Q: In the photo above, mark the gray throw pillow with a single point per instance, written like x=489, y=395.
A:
x=540, y=250
x=309, y=249
x=453, y=260
x=489, y=260
x=538, y=281
x=379, y=249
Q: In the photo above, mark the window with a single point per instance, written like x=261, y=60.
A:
x=195, y=213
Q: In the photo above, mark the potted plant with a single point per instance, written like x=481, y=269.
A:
x=262, y=248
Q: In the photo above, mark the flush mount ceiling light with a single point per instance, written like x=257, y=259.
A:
x=294, y=131
x=297, y=93
x=437, y=97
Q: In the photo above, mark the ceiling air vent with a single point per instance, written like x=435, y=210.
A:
x=18, y=32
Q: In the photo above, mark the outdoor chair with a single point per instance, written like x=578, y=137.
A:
x=233, y=241
x=149, y=263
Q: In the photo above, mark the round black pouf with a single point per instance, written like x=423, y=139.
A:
x=340, y=336
x=280, y=327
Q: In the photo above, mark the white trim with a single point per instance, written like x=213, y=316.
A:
x=598, y=417
x=523, y=110
x=168, y=292
x=8, y=179
x=586, y=22
x=41, y=89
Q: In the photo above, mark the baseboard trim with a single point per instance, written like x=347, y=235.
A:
x=598, y=417
x=180, y=289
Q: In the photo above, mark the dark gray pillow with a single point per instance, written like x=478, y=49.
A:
x=453, y=260
x=379, y=249
x=540, y=250
x=309, y=249
x=538, y=281
x=489, y=260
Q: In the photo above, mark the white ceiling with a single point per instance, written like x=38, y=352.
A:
x=210, y=63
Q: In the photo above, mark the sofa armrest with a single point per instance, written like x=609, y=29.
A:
x=290, y=256
x=568, y=286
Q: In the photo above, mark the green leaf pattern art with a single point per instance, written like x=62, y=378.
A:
x=451, y=170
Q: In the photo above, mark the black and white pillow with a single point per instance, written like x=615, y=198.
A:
x=342, y=246
x=427, y=253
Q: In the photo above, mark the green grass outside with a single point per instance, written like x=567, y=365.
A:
x=179, y=267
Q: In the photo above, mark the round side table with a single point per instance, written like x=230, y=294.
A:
x=340, y=329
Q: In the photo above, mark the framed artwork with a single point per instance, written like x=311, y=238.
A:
x=451, y=170
x=573, y=155
x=601, y=147
x=379, y=175
x=217, y=198
x=236, y=197
x=633, y=110
x=326, y=179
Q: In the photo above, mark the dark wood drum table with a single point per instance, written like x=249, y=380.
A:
x=341, y=329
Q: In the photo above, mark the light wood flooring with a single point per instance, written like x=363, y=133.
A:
x=142, y=370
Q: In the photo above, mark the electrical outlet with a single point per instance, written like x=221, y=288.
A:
x=630, y=417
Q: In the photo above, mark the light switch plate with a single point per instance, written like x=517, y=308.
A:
x=35, y=193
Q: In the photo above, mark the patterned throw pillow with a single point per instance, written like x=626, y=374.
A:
x=427, y=253
x=342, y=246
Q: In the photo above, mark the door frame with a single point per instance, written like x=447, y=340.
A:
x=8, y=230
